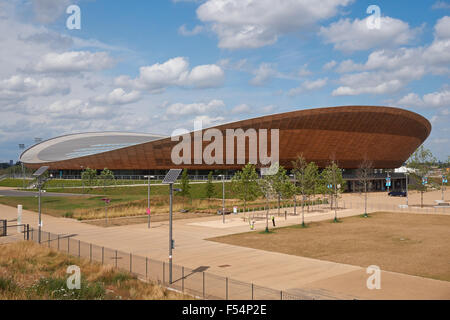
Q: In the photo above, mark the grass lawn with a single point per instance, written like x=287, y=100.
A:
x=414, y=244
x=30, y=271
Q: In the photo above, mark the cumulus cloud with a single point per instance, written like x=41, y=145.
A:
x=387, y=71
x=349, y=36
x=263, y=74
x=174, y=72
x=72, y=61
x=442, y=28
x=438, y=99
x=75, y=109
x=308, y=86
x=19, y=87
x=441, y=5
x=178, y=109
x=329, y=65
x=118, y=97
x=257, y=23
x=47, y=11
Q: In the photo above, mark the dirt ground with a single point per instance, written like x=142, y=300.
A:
x=414, y=244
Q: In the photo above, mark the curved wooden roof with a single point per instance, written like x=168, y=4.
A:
x=385, y=135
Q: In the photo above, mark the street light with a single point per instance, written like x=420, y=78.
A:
x=170, y=179
x=22, y=147
x=223, y=197
x=148, y=198
x=38, y=174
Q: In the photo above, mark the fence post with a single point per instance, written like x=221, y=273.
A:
x=203, y=284
x=164, y=272
x=252, y=291
x=90, y=252
x=131, y=265
x=49, y=239
x=146, y=268
x=226, y=288
x=103, y=255
x=68, y=245
x=79, y=248
x=116, y=259
x=182, y=279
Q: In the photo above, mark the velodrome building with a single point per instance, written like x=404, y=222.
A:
x=347, y=135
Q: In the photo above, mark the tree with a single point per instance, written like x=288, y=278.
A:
x=106, y=177
x=364, y=174
x=281, y=185
x=185, y=187
x=421, y=161
x=245, y=184
x=311, y=181
x=333, y=177
x=301, y=179
x=210, y=186
x=266, y=188
x=88, y=176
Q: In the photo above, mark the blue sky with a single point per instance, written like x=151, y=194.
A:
x=156, y=66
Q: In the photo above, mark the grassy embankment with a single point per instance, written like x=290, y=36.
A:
x=29, y=271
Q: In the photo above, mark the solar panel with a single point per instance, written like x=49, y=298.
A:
x=172, y=176
x=40, y=171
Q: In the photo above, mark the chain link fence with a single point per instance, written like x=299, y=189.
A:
x=196, y=282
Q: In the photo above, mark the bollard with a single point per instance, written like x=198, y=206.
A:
x=19, y=217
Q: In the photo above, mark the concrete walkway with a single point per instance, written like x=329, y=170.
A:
x=294, y=274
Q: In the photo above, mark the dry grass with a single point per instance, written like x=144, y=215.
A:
x=29, y=271
x=414, y=244
x=159, y=205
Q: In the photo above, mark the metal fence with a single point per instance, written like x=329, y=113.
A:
x=196, y=282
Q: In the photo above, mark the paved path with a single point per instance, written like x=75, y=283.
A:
x=320, y=279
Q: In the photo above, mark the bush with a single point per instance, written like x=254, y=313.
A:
x=56, y=288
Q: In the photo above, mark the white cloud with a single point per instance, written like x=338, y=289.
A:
x=19, y=87
x=208, y=121
x=178, y=109
x=442, y=28
x=263, y=74
x=75, y=109
x=174, y=72
x=241, y=108
x=72, y=61
x=257, y=23
x=349, y=36
x=330, y=65
x=387, y=71
x=47, y=11
x=185, y=32
x=118, y=97
x=439, y=99
x=308, y=86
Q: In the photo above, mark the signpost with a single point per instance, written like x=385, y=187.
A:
x=148, y=199
x=170, y=179
x=444, y=180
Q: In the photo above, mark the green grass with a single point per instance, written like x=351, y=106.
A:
x=14, y=183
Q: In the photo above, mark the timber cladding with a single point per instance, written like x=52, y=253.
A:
x=348, y=135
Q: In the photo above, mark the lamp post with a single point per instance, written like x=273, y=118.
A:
x=170, y=179
x=223, y=197
x=407, y=193
x=22, y=147
x=38, y=174
x=148, y=199
x=444, y=180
